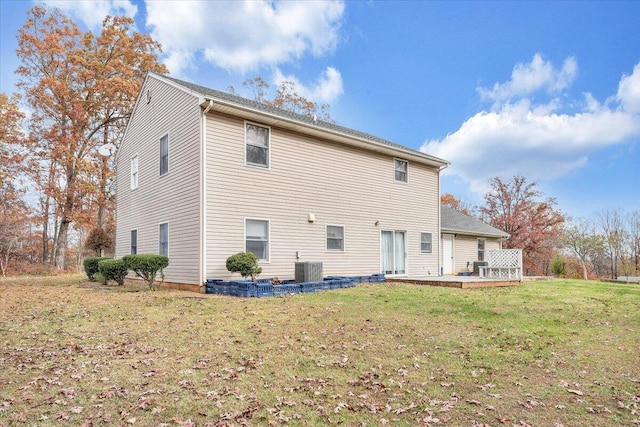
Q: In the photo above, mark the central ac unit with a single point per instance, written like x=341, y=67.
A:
x=308, y=272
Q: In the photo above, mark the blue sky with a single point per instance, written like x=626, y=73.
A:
x=548, y=90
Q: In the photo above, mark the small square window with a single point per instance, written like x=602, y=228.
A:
x=401, y=170
x=335, y=238
x=134, y=172
x=257, y=237
x=163, y=246
x=164, y=155
x=134, y=242
x=426, y=246
x=257, y=145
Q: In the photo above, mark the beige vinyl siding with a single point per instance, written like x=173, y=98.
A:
x=173, y=197
x=465, y=249
x=336, y=183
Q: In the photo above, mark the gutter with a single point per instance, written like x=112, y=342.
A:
x=203, y=195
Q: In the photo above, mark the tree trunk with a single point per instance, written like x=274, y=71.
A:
x=584, y=270
x=60, y=259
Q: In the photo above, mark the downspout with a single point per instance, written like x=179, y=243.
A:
x=203, y=197
x=440, y=261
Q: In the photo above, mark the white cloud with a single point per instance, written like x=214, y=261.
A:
x=629, y=91
x=243, y=35
x=326, y=89
x=93, y=12
x=532, y=77
x=538, y=141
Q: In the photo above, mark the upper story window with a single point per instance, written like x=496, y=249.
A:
x=481, y=246
x=257, y=237
x=134, y=172
x=163, y=239
x=256, y=145
x=426, y=246
x=335, y=238
x=401, y=169
x=164, y=155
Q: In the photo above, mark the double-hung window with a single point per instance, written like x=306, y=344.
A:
x=335, y=238
x=134, y=242
x=164, y=155
x=256, y=145
x=426, y=246
x=401, y=170
x=481, y=245
x=134, y=172
x=257, y=237
x=163, y=239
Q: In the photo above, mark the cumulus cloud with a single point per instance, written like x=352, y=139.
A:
x=326, y=89
x=532, y=77
x=629, y=91
x=243, y=35
x=539, y=141
x=92, y=12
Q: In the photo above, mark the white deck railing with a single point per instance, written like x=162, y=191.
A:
x=503, y=264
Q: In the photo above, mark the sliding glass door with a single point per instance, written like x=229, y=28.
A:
x=393, y=252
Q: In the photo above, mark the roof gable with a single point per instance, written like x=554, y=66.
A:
x=456, y=222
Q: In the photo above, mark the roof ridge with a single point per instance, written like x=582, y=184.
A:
x=303, y=118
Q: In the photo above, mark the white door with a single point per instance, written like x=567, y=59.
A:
x=447, y=254
x=393, y=252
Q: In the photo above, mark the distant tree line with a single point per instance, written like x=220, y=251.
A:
x=607, y=246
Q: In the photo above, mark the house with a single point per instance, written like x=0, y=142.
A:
x=465, y=240
x=203, y=174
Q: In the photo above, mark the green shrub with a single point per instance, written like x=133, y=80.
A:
x=245, y=263
x=91, y=266
x=558, y=266
x=100, y=278
x=113, y=269
x=147, y=266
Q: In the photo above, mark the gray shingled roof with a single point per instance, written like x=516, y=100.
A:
x=456, y=222
x=302, y=118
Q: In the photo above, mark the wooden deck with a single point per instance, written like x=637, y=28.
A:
x=462, y=282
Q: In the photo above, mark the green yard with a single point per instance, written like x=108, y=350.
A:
x=553, y=353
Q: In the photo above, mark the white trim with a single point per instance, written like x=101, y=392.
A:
x=168, y=237
x=431, y=234
x=257, y=165
x=398, y=159
x=244, y=242
x=160, y=174
x=406, y=251
x=484, y=251
x=203, y=195
x=344, y=238
x=137, y=158
x=452, y=237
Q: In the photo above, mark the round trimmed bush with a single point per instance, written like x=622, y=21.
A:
x=113, y=269
x=91, y=266
x=245, y=263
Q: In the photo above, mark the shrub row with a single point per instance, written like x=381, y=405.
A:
x=145, y=266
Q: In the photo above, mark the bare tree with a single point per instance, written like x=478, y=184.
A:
x=580, y=237
x=612, y=224
x=633, y=220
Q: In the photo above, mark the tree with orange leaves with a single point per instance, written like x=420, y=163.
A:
x=518, y=207
x=81, y=89
x=449, y=200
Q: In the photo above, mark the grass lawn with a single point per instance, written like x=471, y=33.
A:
x=553, y=353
